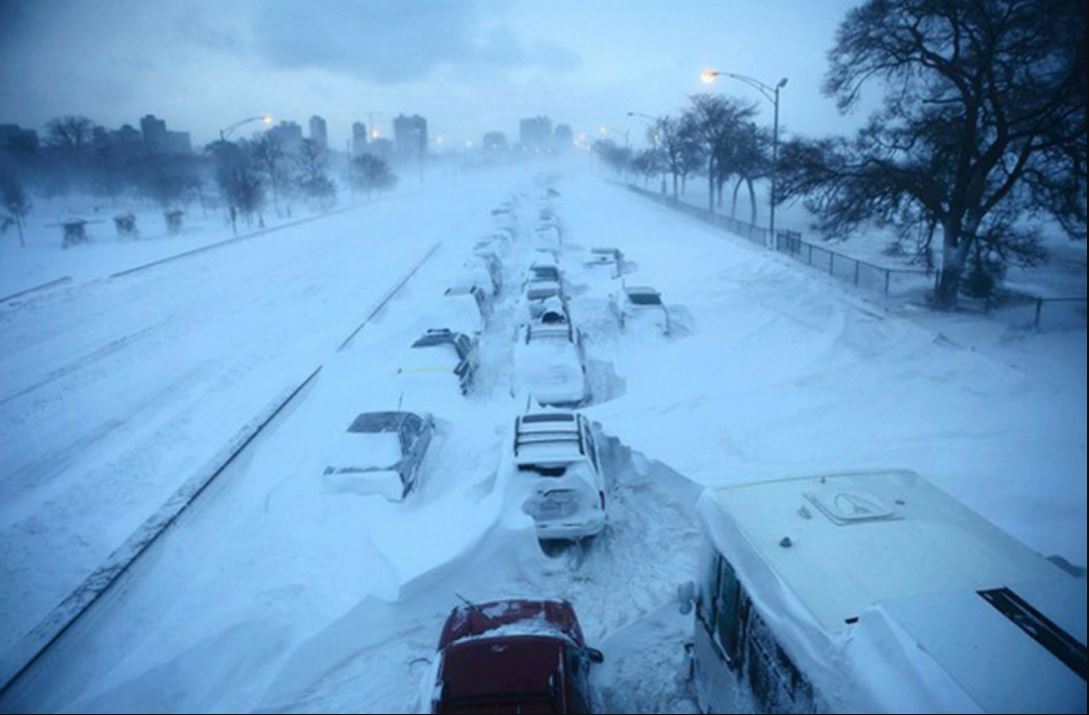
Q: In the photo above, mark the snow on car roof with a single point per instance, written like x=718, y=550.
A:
x=861, y=538
x=367, y=450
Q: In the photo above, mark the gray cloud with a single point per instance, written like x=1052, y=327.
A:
x=389, y=41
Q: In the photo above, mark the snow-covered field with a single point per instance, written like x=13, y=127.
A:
x=273, y=593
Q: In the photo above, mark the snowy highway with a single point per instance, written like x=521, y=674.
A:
x=274, y=594
x=116, y=390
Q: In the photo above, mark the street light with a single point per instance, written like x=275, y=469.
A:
x=226, y=131
x=771, y=94
x=657, y=139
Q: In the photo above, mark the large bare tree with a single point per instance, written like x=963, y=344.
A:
x=983, y=126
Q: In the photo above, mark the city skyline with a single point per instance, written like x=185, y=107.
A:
x=482, y=67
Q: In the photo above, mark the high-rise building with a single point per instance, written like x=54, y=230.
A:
x=359, y=138
x=565, y=138
x=535, y=133
x=154, y=131
x=14, y=139
x=318, y=132
x=410, y=136
x=494, y=141
x=289, y=135
x=158, y=140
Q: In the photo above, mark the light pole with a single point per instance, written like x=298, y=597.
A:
x=772, y=95
x=653, y=123
x=226, y=131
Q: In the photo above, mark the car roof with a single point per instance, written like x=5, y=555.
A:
x=548, y=436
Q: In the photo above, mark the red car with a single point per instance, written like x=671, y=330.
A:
x=513, y=657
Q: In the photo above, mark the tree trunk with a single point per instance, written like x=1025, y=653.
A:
x=19, y=225
x=733, y=206
x=953, y=254
x=752, y=201
x=674, y=186
x=711, y=185
x=721, y=185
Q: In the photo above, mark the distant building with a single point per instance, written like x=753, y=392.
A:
x=158, y=140
x=565, y=138
x=410, y=136
x=382, y=148
x=14, y=139
x=289, y=135
x=535, y=133
x=318, y=132
x=359, y=138
x=494, y=141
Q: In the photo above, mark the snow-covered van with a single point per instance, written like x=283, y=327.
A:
x=877, y=592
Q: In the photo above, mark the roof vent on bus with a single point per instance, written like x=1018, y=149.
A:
x=851, y=506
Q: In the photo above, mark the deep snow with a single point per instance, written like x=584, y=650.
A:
x=275, y=594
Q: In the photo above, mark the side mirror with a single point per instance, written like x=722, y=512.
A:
x=686, y=597
x=595, y=656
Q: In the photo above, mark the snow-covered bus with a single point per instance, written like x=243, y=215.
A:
x=877, y=592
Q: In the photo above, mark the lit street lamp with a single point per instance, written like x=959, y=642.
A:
x=771, y=94
x=226, y=131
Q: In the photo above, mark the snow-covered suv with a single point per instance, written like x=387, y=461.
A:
x=549, y=364
x=566, y=497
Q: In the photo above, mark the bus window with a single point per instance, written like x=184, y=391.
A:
x=708, y=587
x=727, y=622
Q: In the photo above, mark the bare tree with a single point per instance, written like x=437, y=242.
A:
x=313, y=177
x=238, y=180
x=271, y=158
x=716, y=120
x=372, y=173
x=16, y=202
x=983, y=125
x=70, y=132
x=679, y=146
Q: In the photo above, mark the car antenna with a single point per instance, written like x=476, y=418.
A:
x=471, y=606
x=400, y=399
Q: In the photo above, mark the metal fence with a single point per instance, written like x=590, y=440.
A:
x=840, y=265
x=1024, y=308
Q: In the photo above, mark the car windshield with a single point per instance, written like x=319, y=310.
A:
x=645, y=298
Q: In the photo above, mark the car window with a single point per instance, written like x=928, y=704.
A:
x=705, y=600
x=591, y=447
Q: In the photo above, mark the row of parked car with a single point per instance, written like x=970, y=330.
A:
x=929, y=607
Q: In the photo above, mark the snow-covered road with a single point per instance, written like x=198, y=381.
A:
x=272, y=594
x=115, y=391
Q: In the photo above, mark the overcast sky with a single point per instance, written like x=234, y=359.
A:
x=468, y=66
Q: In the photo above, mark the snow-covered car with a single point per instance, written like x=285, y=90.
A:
x=536, y=293
x=483, y=274
x=549, y=364
x=610, y=258
x=462, y=310
x=566, y=495
x=547, y=236
x=381, y=453
x=640, y=305
x=515, y=656
x=441, y=356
